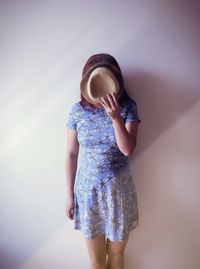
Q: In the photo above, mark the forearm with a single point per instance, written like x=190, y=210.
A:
x=70, y=173
x=122, y=137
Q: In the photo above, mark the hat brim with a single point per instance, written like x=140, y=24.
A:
x=84, y=80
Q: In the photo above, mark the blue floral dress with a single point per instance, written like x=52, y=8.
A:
x=105, y=200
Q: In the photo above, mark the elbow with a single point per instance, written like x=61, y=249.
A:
x=130, y=151
x=71, y=155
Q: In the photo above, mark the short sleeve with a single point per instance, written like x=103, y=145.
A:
x=132, y=112
x=71, y=119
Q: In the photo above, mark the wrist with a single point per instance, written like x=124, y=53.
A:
x=70, y=198
x=70, y=194
x=117, y=119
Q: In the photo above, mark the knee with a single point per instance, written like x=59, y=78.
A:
x=99, y=263
x=115, y=255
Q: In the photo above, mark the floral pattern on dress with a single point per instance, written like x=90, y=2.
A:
x=105, y=197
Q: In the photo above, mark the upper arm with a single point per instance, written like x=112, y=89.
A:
x=132, y=128
x=72, y=142
x=132, y=120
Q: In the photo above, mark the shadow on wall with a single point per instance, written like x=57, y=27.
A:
x=168, y=201
x=161, y=102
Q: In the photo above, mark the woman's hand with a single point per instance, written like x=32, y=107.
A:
x=70, y=208
x=111, y=106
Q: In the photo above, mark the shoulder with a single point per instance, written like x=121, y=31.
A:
x=75, y=107
x=128, y=104
x=74, y=112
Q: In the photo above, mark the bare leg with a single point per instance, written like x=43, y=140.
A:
x=97, y=251
x=116, y=254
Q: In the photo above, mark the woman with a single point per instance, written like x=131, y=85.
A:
x=101, y=197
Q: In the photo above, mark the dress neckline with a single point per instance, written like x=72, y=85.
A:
x=94, y=108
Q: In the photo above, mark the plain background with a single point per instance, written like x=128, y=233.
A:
x=44, y=45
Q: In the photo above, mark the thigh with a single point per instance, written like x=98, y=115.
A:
x=116, y=247
x=97, y=247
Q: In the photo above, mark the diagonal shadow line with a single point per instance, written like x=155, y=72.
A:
x=162, y=102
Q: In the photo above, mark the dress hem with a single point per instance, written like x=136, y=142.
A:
x=136, y=223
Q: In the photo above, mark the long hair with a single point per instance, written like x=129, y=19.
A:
x=95, y=59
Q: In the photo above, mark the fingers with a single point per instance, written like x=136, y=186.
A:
x=106, y=102
x=110, y=98
x=115, y=98
x=109, y=102
x=70, y=213
x=103, y=104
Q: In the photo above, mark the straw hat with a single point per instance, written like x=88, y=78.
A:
x=101, y=75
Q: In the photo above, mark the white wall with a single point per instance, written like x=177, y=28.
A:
x=44, y=45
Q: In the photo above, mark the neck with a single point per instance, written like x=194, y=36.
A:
x=98, y=105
